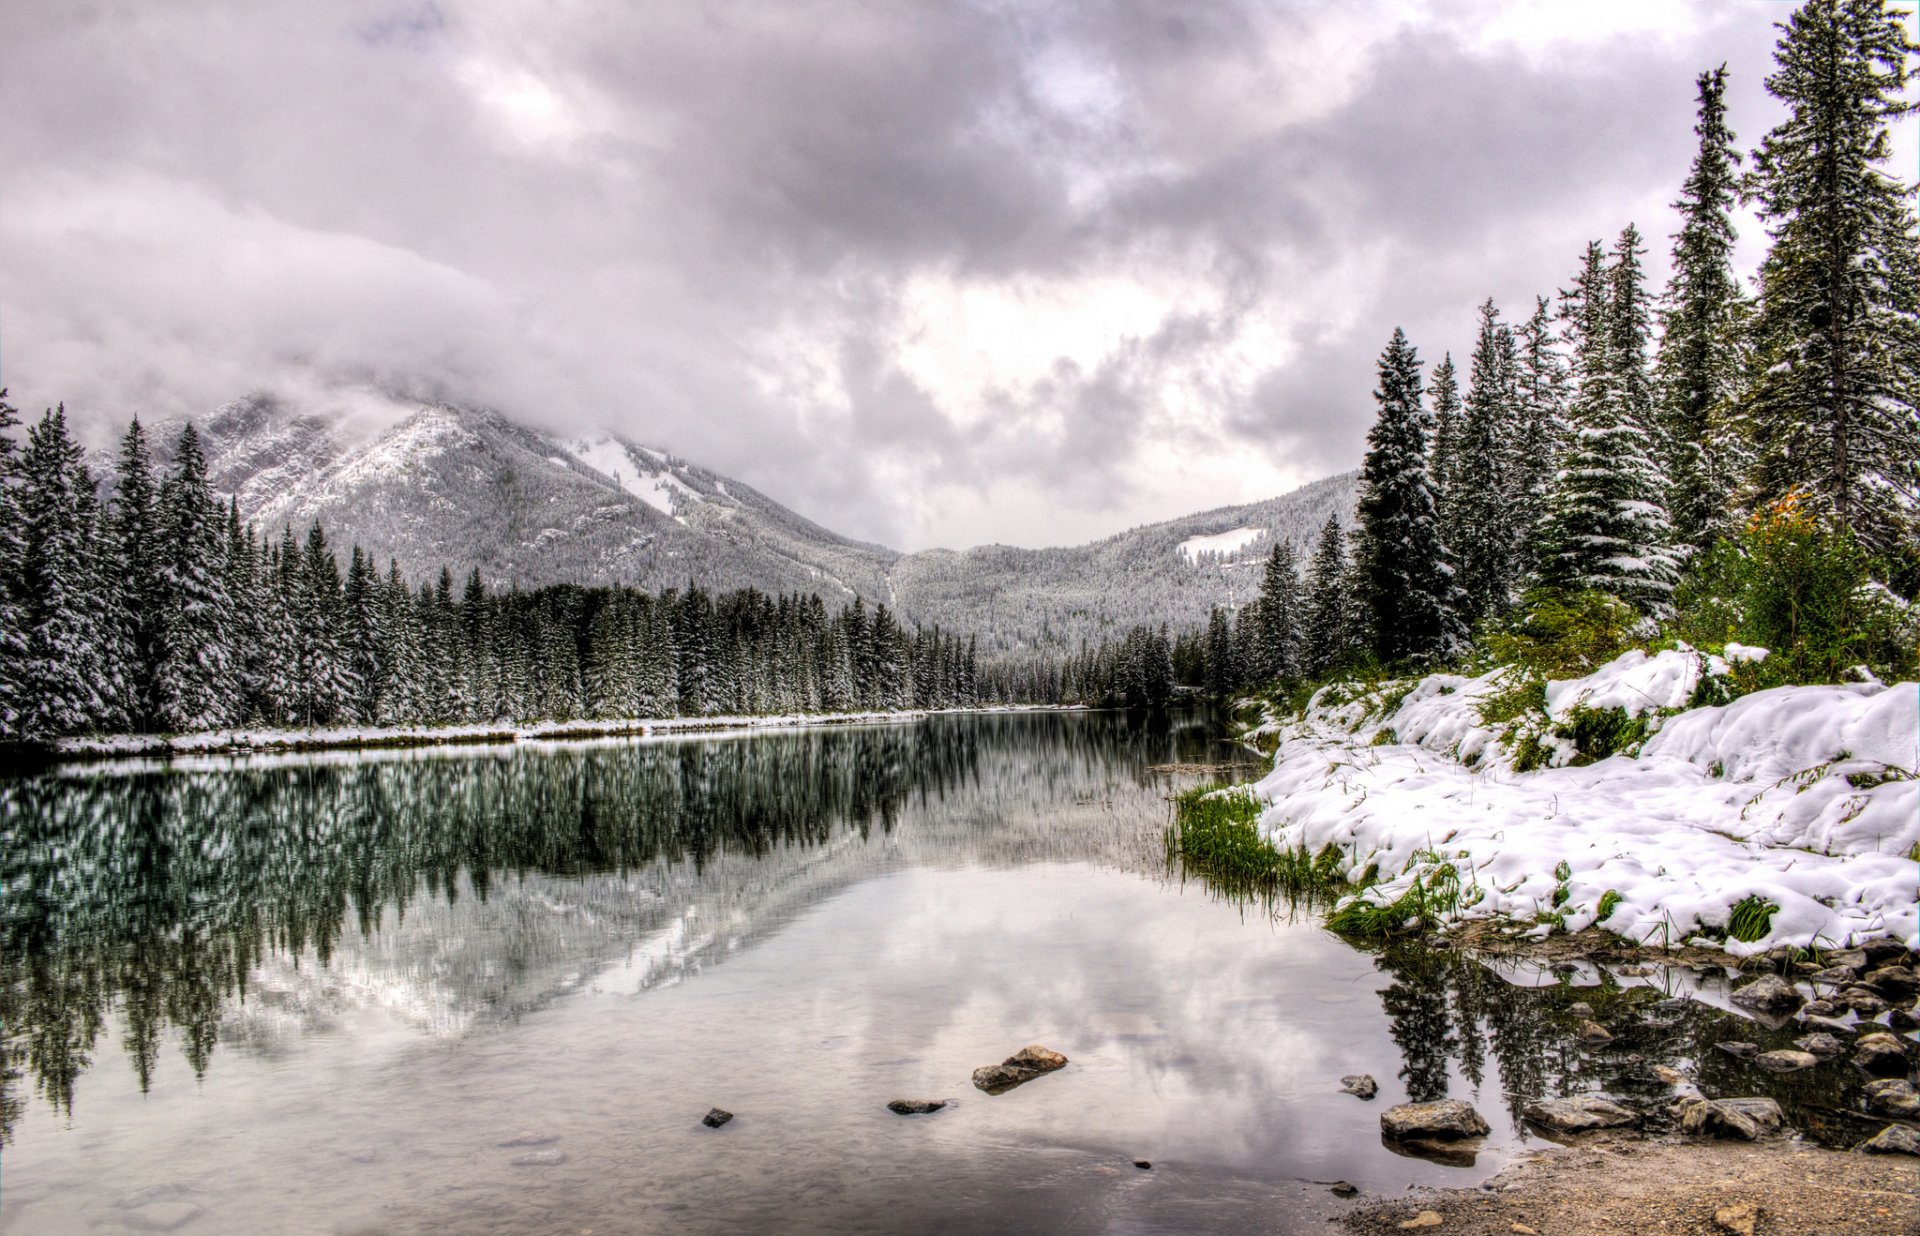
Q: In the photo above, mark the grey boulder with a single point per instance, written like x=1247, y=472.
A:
x=1579, y=1114
x=1446, y=1120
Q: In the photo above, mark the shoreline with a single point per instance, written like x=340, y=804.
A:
x=249, y=740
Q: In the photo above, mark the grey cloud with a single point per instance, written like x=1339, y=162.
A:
x=206, y=198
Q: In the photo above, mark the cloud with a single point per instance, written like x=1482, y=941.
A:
x=929, y=273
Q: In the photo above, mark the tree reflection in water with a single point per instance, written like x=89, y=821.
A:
x=1451, y=1012
x=153, y=891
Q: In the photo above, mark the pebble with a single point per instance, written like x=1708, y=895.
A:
x=1425, y=1218
x=1342, y=1189
x=1145, y=1165
x=716, y=1117
x=1594, y=1032
x=1360, y=1084
x=1736, y=1219
x=1785, y=1061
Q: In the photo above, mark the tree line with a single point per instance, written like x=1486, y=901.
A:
x=1590, y=463
x=159, y=610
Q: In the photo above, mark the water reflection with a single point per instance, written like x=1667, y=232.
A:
x=157, y=891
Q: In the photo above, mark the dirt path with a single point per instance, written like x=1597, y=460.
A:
x=1618, y=1183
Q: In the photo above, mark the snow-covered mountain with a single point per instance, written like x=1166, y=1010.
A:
x=466, y=487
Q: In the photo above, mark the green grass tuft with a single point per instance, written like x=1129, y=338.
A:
x=1751, y=919
x=1609, y=902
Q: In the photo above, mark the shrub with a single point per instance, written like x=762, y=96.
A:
x=1797, y=583
x=1559, y=634
x=1597, y=733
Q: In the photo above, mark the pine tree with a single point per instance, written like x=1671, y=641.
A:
x=1278, y=640
x=324, y=684
x=1481, y=525
x=1411, y=600
x=1327, y=630
x=194, y=684
x=1540, y=437
x=59, y=696
x=13, y=644
x=1444, y=459
x=1698, y=368
x=1607, y=529
x=137, y=550
x=1835, y=408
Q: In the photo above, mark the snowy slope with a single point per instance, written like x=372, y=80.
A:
x=1804, y=797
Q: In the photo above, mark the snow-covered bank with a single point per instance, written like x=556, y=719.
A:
x=322, y=738
x=1804, y=798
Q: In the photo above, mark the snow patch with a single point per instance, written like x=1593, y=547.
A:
x=1805, y=797
x=1220, y=544
x=611, y=458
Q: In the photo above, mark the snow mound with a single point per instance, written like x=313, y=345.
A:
x=1803, y=797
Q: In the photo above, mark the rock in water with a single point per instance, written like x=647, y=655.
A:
x=1593, y=1032
x=1342, y=1189
x=1769, y=994
x=1580, y=1114
x=540, y=1158
x=1882, y=1055
x=1447, y=1119
x=1894, y=1139
x=1739, y=1050
x=1822, y=1045
x=1023, y=1066
x=1145, y=1165
x=715, y=1117
x=1361, y=1084
x=1736, y=1219
x=915, y=1107
x=1785, y=1061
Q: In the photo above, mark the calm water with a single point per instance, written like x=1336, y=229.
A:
x=494, y=991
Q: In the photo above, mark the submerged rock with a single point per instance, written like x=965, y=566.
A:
x=1894, y=1139
x=1892, y=981
x=530, y=1139
x=1786, y=1060
x=1769, y=994
x=1737, y=1219
x=1445, y=1120
x=1145, y=1165
x=1593, y=1032
x=715, y=1117
x=1580, y=1008
x=1739, y=1050
x=540, y=1158
x=1021, y=1067
x=1822, y=1045
x=1361, y=1084
x=1342, y=1189
x=915, y=1107
x=1881, y=1054
x=1580, y=1114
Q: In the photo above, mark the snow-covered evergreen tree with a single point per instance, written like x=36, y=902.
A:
x=13, y=643
x=136, y=540
x=1480, y=526
x=194, y=677
x=1540, y=385
x=1327, y=628
x=1444, y=456
x=1412, y=603
x=1607, y=527
x=59, y=694
x=323, y=680
x=1835, y=406
x=1278, y=632
x=1699, y=363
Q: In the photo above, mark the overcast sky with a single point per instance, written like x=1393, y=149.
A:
x=932, y=274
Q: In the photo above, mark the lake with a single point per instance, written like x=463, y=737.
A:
x=496, y=989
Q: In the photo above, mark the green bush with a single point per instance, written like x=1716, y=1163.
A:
x=1559, y=634
x=1799, y=585
x=1597, y=733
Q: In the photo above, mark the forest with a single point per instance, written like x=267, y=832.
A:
x=1707, y=465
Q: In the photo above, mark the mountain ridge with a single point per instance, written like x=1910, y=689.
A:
x=468, y=488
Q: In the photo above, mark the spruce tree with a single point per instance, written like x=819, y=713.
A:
x=1326, y=631
x=1411, y=600
x=1698, y=368
x=137, y=549
x=13, y=643
x=59, y=695
x=1444, y=460
x=1607, y=527
x=194, y=683
x=1481, y=525
x=1279, y=616
x=1539, y=439
x=1835, y=406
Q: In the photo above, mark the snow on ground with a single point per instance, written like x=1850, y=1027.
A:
x=1803, y=796
x=1220, y=543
